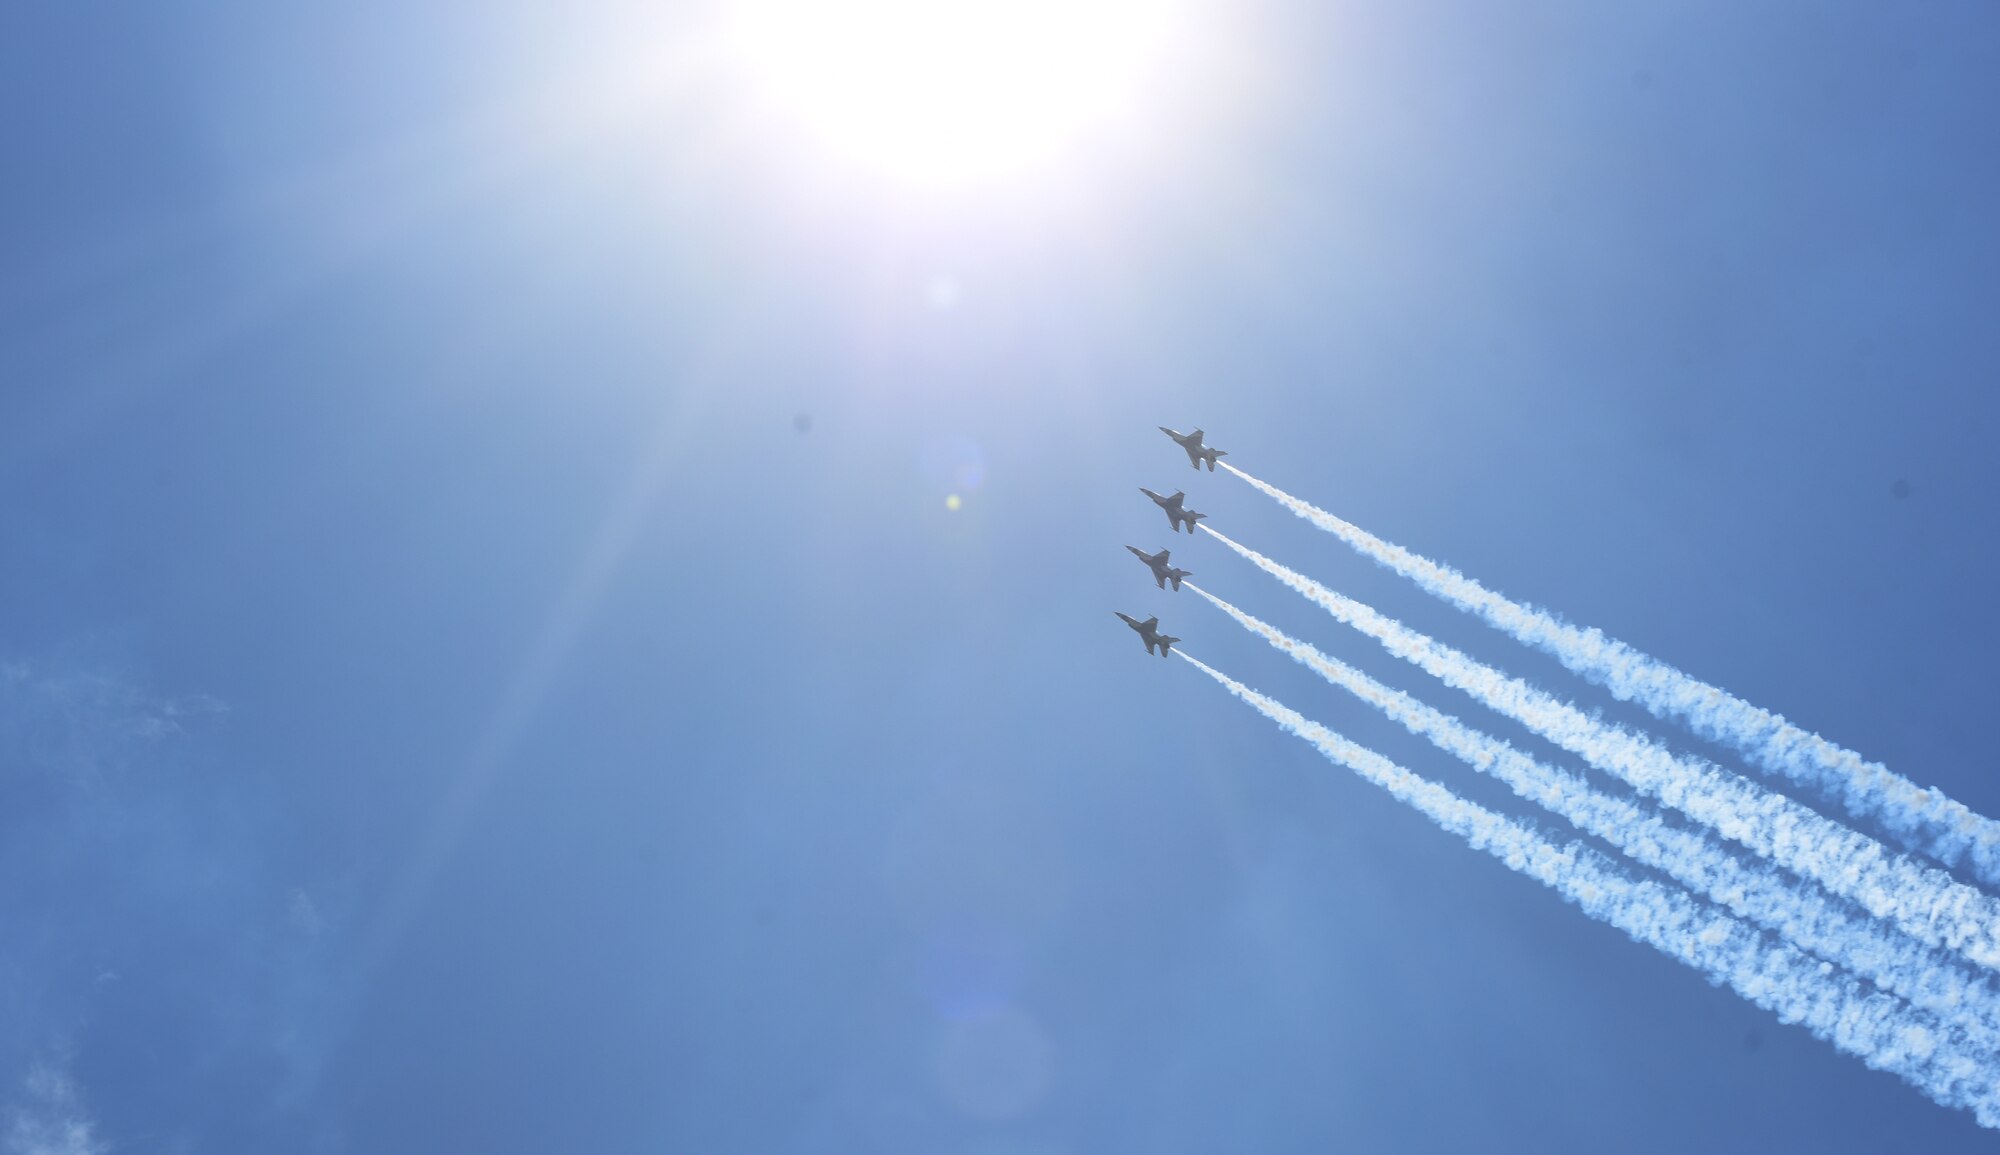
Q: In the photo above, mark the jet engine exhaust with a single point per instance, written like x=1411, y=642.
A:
x=1882, y=1031
x=1921, y=819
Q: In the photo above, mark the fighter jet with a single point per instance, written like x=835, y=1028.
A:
x=1162, y=572
x=1196, y=453
x=1149, y=633
x=1176, y=512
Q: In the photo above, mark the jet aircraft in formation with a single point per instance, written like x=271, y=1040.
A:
x=1162, y=572
x=1178, y=515
x=1196, y=452
x=1176, y=507
x=1149, y=633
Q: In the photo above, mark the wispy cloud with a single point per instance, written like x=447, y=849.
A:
x=82, y=725
x=48, y=1117
x=304, y=914
x=140, y=868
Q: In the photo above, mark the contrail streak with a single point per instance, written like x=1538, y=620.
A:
x=1881, y=1031
x=1923, y=819
x=1801, y=913
x=1926, y=903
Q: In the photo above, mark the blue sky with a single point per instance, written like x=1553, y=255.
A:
x=486, y=662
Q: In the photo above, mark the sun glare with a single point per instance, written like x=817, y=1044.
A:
x=951, y=90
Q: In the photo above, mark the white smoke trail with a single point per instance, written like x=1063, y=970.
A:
x=1881, y=1031
x=1923, y=819
x=1801, y=913
x=1924, y=902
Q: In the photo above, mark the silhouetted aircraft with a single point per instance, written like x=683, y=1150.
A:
x=1162, y=572
x=1176, y=511
x=1196, y=453
x=1149, y=633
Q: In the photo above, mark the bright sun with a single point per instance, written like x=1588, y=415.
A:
x=952, y=90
